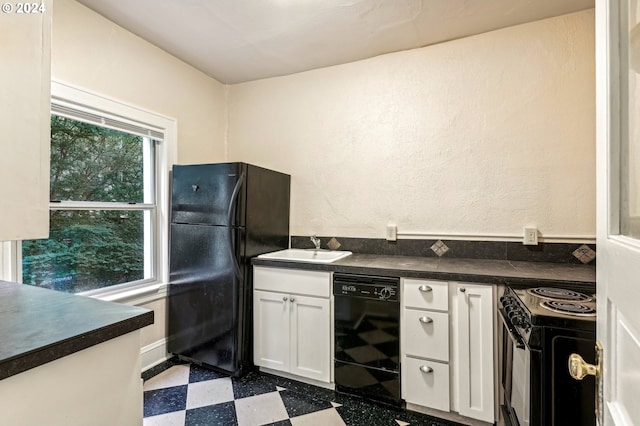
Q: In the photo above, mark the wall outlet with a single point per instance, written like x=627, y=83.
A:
x=392, y=232
x=530, y=237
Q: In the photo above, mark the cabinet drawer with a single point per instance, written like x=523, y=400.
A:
x=425, y=294
x=426, y=334
x=292, y=281
x=425, y=383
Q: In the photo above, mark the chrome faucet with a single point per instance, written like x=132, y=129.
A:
x=316, y=241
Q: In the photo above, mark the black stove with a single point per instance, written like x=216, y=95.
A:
x=529, y=310
x=542, y=326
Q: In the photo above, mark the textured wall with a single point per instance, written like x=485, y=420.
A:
x=481, y=135
x=91, y=52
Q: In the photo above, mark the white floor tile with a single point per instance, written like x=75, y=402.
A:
x=328, y=417
x=174, y=376
x=209, y=392
x=260, y=409
x=176, y=418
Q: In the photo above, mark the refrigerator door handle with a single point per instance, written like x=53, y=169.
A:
x=232, y=202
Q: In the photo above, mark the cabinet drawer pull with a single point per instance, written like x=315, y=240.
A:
x=293, y=299
x=462, y=289
x=426, y=369
x=426, y=320
x=425, y=288
x=284, y=299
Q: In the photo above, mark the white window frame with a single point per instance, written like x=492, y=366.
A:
x=165, y=156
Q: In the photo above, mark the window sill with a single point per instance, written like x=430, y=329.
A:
x=138, y=295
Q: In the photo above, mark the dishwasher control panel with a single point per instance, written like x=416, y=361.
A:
x=366, y=286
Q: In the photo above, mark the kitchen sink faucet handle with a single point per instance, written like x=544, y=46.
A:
x=316, y=241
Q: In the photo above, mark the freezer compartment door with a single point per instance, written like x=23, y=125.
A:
x=204, y=296
x=203, y=194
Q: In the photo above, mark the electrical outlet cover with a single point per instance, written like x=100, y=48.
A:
x=530, y=237
x=392, y=232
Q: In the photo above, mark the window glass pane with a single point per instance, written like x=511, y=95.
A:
x=630, y=126
x=92, y=163
x=87, y=250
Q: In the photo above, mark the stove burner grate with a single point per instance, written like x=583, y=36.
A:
x=567, y=307
x=559, y=294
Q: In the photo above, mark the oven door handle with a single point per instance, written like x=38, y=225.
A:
x=518, y=341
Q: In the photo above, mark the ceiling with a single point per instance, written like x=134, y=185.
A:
x=235, y=41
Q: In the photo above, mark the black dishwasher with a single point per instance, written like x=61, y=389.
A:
x=367, y=336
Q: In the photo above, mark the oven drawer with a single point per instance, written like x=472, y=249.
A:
x=426, y=294
x=425, y=383
x=426, y=334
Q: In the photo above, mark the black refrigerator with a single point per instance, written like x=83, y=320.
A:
x=222, y=215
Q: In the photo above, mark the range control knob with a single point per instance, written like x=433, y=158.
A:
x=385, y=293
x=518, y=320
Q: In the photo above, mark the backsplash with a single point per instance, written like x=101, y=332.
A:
x=576, y=253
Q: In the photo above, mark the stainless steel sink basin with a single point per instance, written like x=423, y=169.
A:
x=301, y=255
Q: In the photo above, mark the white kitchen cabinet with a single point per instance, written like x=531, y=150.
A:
x=475, y=316
x=292, y=321
x=25, y=90
x=425, y=343
x=271, y=319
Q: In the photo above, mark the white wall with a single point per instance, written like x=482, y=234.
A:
x=91, y=52
x=481, y=135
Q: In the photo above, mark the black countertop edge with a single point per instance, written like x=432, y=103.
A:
x=497, y=272
x=18, y=364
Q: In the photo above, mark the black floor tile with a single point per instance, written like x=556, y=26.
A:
x=358, y=412
x=219, y=414
x=165, y=400
x=199, y=374
x=298, y=404
x=280, y=423
x=252, y=384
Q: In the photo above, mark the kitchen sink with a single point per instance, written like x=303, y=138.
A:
x=302, y=255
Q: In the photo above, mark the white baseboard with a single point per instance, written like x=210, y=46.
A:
x=154, y=354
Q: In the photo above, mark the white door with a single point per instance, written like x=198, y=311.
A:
x=618, y=206
x=310, y=337
x=271, y=329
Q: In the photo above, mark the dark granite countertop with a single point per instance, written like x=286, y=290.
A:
x=506, y=272
x=39, y=325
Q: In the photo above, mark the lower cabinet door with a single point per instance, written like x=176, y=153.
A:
x=476, y=315
x=271, y=313
x=310, y=337
x=425, y=383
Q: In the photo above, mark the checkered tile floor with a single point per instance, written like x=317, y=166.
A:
x=187, y=395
